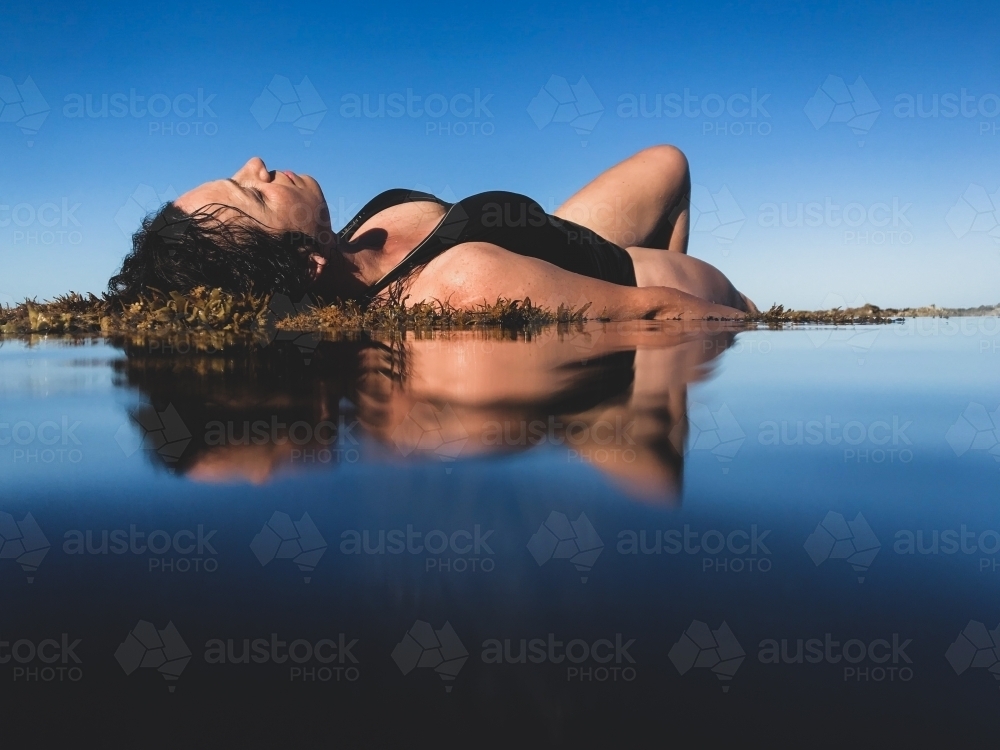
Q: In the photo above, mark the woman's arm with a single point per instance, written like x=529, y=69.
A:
x=474, y=273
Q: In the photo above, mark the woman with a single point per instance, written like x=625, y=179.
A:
x=618, y=244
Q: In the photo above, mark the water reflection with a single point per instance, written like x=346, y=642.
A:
x=452, y=490
x=610, y=396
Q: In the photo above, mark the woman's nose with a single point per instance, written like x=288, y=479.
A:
x=254, y=169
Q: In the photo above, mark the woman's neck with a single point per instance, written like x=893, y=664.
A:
x=376, y=248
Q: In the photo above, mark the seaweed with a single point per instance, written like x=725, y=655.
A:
x=216, y=318
x=221, y=315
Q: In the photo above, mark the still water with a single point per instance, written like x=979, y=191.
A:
x=611, y=533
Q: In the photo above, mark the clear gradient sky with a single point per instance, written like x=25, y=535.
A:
x=898, y=196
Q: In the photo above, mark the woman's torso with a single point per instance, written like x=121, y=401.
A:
x=418, y=227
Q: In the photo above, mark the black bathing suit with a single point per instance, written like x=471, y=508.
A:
x=512, y=221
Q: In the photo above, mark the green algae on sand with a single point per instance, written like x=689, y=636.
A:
x=218, y=312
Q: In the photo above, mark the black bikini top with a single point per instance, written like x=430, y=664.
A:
x=445, y=234
x=512, y=221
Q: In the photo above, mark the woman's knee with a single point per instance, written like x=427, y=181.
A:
x=668, y=161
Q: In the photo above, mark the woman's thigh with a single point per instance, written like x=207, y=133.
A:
x=687, y=274
x=642, y=201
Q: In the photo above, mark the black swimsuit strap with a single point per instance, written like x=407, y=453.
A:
x=381, y=202
x=444, y=236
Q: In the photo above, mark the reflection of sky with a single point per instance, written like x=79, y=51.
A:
x=780, y=493
x=800, y=60
x=758, y=392
x=928, y=381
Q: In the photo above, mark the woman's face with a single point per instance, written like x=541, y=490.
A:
x=281, y=201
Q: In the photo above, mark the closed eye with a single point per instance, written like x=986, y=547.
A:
x=254, y=192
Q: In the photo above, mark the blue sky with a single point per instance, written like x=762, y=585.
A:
x=895, y=209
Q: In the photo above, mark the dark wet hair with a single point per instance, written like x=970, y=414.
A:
x=177, y=251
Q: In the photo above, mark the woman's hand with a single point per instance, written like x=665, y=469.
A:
x=670, y=304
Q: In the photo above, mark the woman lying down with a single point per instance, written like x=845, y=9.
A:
x=619, y=244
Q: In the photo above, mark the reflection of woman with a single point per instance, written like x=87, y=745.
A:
x=614, y=399
x=250, y=415
x=620, y=244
